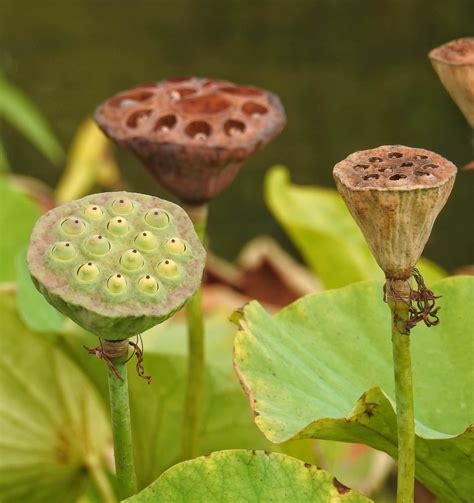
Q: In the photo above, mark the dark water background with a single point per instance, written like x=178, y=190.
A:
x=352, y=74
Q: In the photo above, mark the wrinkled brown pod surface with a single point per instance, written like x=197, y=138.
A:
x=394, y=167
x=192, y=133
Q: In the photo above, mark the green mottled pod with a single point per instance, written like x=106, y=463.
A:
x=454, y=64
x=395, y=194
x=97, y=260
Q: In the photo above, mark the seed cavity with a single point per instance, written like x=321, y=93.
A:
x=372, y=175
x=98, y=245
x=93, y=212
x=395, y=155
x=397, y=177
x=175, y=246
x=117, y=284
x=422, y=173
x=420, y=156
x=73, y=226
x=375, y=159
x=138, y=118
x=146, y=241
x=361, y=166
x=167, y=269
x=407, y=164
x=234, y=127
x=87, y=272
x=254, y=109
x=430, y=166
x=132, y=260
x=198, y=130
x=118, y=226
x=122, y=206
x=166, y=123
x=157, y=218
x=63, y=251
x=148, y=285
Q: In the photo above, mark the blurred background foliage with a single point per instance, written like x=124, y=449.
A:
x=351, y=74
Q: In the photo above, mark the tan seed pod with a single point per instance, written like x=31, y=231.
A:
x=454, y=64
x=395, y=194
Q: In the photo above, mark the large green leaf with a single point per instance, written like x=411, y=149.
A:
x=18, y=215
x=322, y=368
x=246, y=476
x=52, y=423
x=331, y=243
x=157, y=408
x=23, y=114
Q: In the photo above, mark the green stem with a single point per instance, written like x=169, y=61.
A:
x=403, y=393
x=196, y=359
x=120, y=416
x=101, y=481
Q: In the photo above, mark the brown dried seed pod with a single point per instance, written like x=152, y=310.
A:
x=193, y=134
x=395, y=194
x=454, y=64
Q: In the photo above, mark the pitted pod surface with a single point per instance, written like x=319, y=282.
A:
x=117, y=255
x=394, y=167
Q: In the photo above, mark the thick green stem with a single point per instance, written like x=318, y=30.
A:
x=120, y=416
x=398, y=298
x=196, y=361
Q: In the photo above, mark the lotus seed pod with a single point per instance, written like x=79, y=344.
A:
x=106, y=279
x=146, y=241
x=454, y=64
x=395, y=194
x=167, y=269
x=175, y=246
x=193, y=134
x=63, y=251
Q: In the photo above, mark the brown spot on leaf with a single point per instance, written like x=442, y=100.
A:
x=341, y=488
x=308, y=465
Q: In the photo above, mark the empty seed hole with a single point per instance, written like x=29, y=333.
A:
x=420, y=156
x=233, y=127
x=208, y=104
x=253, y=109
x=241, y=90
x=422, y=173
x=375, y=159
x=397, y=177
x=138, y=118
x=406, y=164
x=373, y=175
x=394, y=155
x=165, y=123
x=361, y=166
x=198, y=130
x=431, y=166
x=381, y=170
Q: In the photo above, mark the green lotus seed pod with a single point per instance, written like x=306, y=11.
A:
x=167, y=269
x=73, y=226
x=157, y=218
x=118, y=226
x=132, y=260
x=122, y=206
x=93, y=212
x=98, y=245
x=146, y=241
x=110, y=283
x=88, y=272
x=148, y=284
x=176, y=246
x=116, y=284
x=63, y=251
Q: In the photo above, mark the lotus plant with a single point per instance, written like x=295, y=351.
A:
x=395, y=194
x=117, y=264
x=193, y=135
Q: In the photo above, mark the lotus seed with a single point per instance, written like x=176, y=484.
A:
x=148, y=284
x=98, y=245
x=146, y=241
x=167, y=268
x=63, y=251
x=122, y=206
x=132, y=260
x=73, y=226
x=118, y=226
x=176, y=246
x=88, y=272
x=116, y=284
x=93, y=212
x=157, y=218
